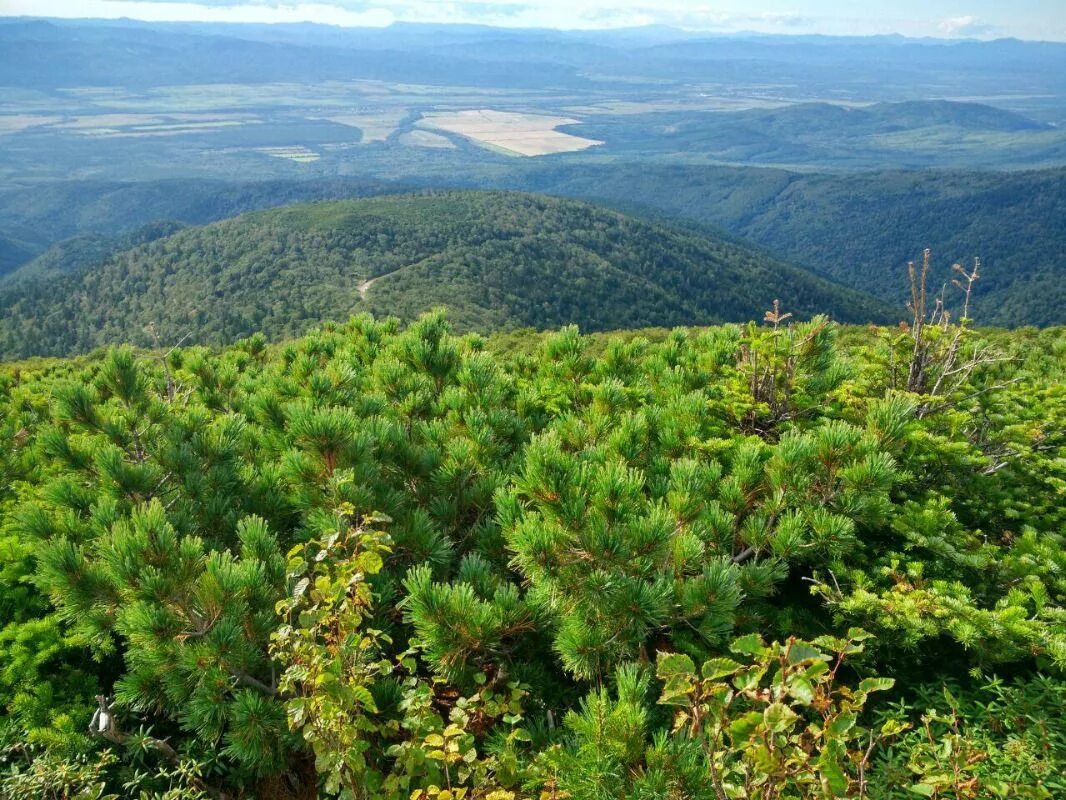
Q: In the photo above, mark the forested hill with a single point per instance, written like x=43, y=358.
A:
x=861, y=229
x=497, y=260
x=35, y=216
x=856, y=229
x=12, y=253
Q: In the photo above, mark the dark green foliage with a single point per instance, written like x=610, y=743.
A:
x=1006, y=732
x=857, y=229
x=497, y=261
x=62, y=217
x=13, y=253
x=79, y=252
x=860, y=229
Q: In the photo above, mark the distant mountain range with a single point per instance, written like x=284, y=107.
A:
x=50, y=53
x=496, y=260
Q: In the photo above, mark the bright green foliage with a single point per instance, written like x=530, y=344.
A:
x=70, y=778
x=789, y=369
x=560, y=508
x=1008, y=739
x=608, y=739
x=778, y=723
x=335, y=672
x=330, y=659
x=465, y=624
x=634, y=516
x=198, y=623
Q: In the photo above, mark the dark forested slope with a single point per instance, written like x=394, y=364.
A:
x=857, y=229
x=497, y=260
x=861, y=229
x=86, y=250
x=13, y=253
x=43, y=214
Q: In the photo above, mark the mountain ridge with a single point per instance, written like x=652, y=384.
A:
x=498, y=260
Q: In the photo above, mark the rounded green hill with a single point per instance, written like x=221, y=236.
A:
x=495, y=260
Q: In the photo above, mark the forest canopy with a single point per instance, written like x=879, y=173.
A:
x=497, y=260
x=787, y=559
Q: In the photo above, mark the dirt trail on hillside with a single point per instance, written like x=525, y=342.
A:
x=364, y=286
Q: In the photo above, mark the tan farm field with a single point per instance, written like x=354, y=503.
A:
x=376, y=126
x=511, y=131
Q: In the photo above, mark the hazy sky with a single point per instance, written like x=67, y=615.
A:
x=1029, y=19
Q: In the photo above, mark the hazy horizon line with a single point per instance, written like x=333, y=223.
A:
x=591, y=29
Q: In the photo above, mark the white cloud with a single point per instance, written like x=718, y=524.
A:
x=166, y=11
x=768, y=16
x=356, y=13
x=965, y=26
x=372, y=13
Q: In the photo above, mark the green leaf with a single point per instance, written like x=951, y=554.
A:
x=950, y=699
x=842, y=723
x=716, y=668
x=370, y=563
x=749, y=678
x=893, y=727
x=833, y=775
x=670, y=665
x=830, y=643
x=521, y=735
x=859, y=635
x=801, y=652
x=362, y=694
x=752, y=645
x=678, y=673
x=779, y=717
x=742, y=727
x=876, y=684
x=801, y=688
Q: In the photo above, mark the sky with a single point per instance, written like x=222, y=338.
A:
x=1026, y=19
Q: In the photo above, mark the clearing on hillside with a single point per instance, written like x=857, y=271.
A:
x=511, y=131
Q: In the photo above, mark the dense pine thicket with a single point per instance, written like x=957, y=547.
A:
x=497, y=260
x=760, y=561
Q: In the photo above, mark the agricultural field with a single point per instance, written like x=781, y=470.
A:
x=375, y=126
x=297, y=153
x=398, y=106
x=512, y=132
x=13, y=123
x=422, y=138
